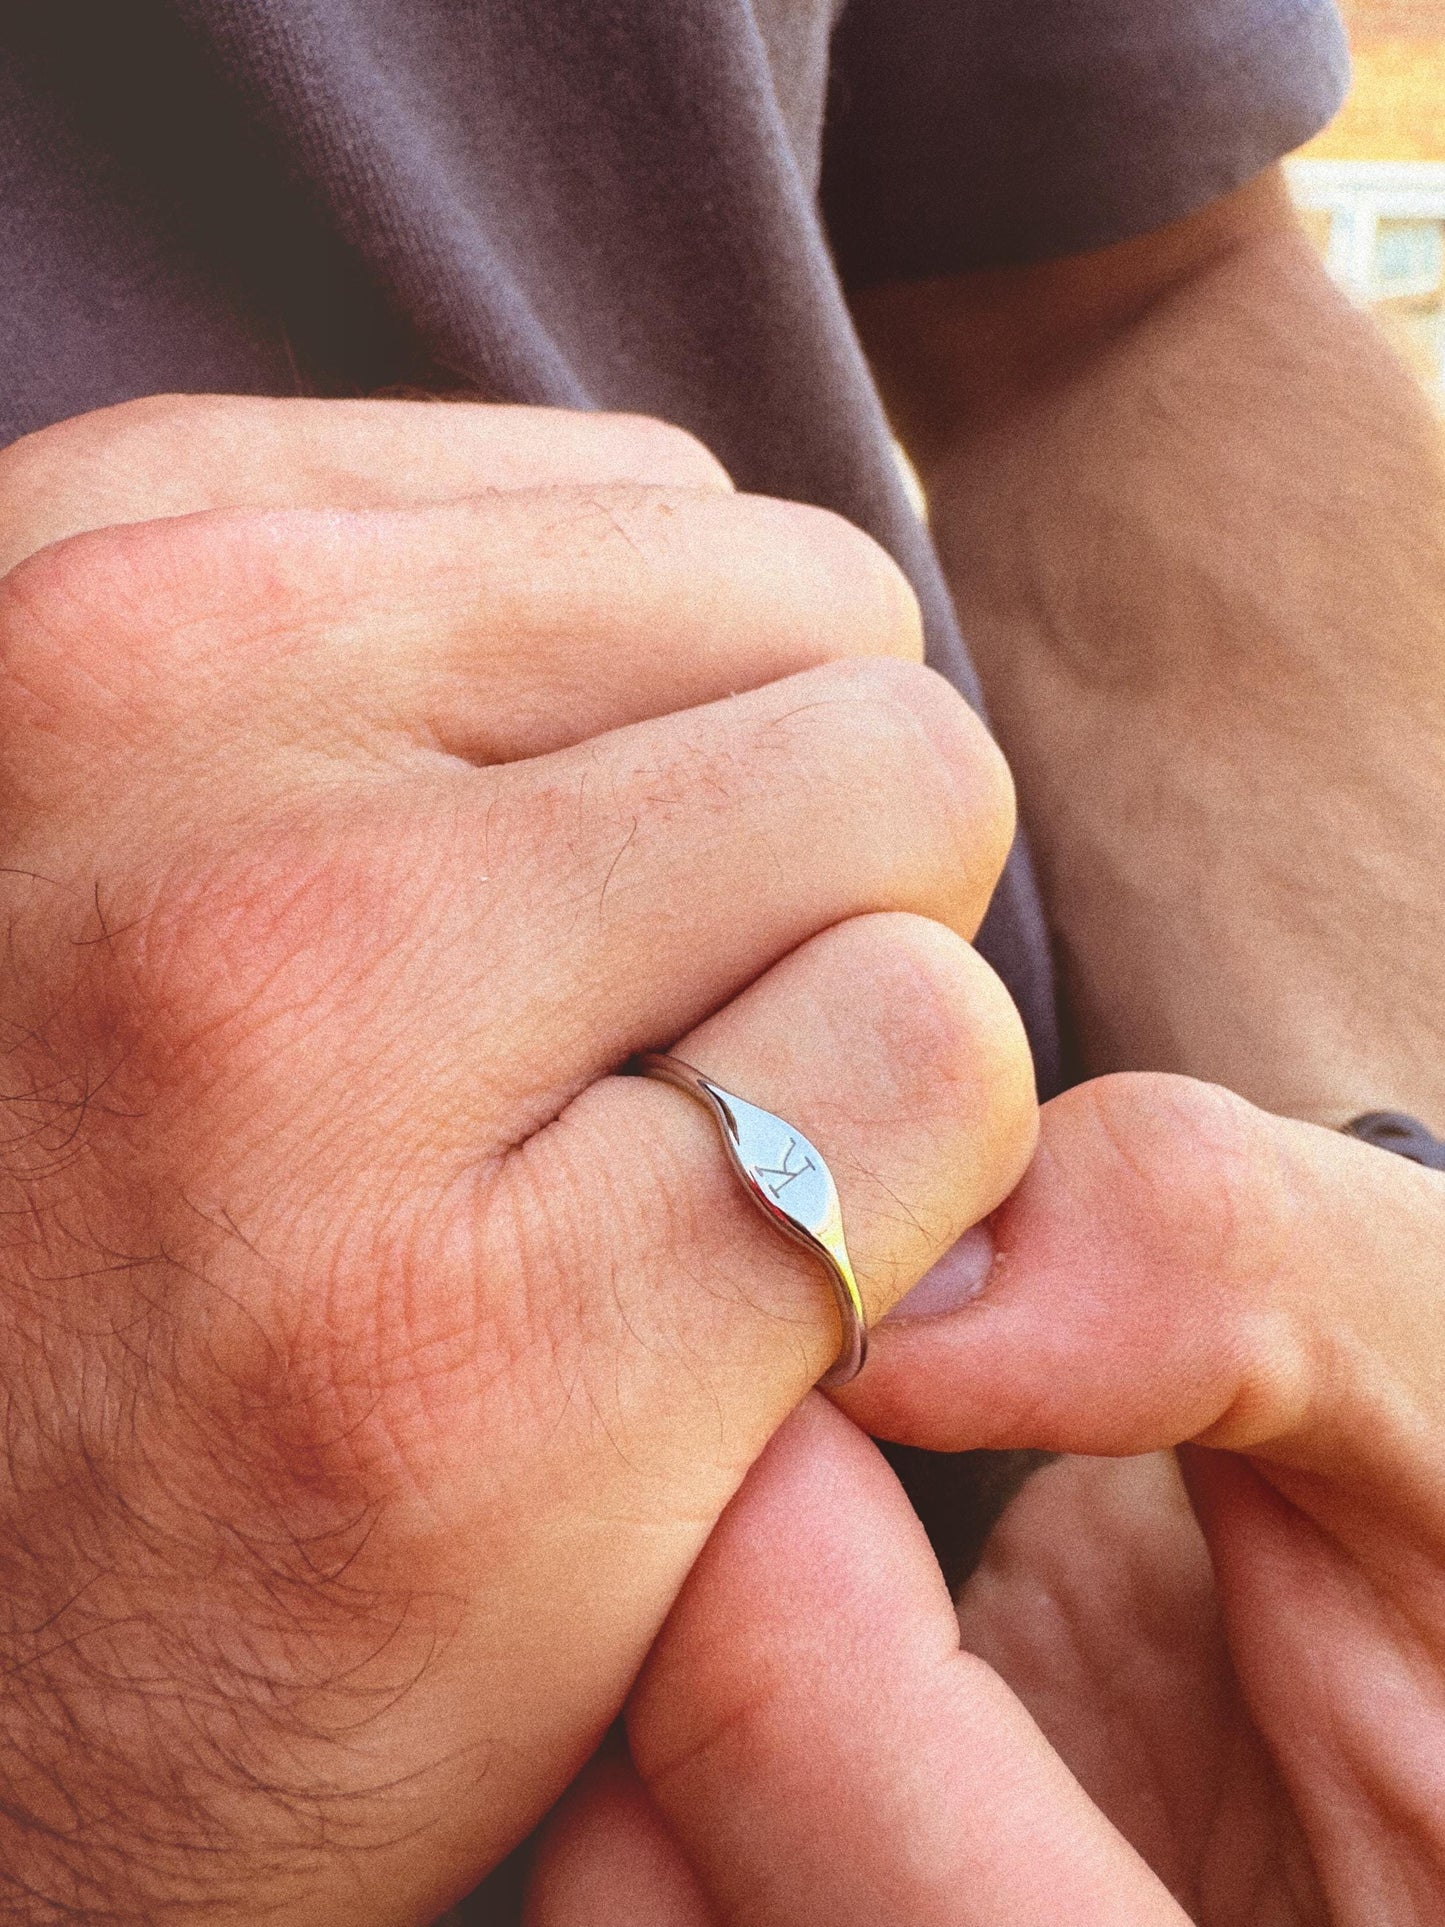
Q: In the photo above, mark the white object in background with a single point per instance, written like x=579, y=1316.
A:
x=1387, y=226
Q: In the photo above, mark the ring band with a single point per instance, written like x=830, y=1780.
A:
x=787, y=1179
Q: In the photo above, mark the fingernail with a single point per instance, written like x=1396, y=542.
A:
x=959, y=1275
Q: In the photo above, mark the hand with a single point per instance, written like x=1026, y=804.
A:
x=375, y=1362
x=1239, y=1721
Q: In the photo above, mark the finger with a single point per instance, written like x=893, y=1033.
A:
x=583, y=906
x=714, y=842
x=1178, y=1265
x=179, y=454
x=609, y=1297
x=1096, y=1601
x=894, y=1049
x=606, y=1860
x=822, y=1751
x=491, y=629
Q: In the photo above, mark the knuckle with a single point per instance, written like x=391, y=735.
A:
x=80, y=623
x=198, y=990
x=663, y=455
x=100, y=427
x=27, y=476
x=953, y=1040
x=967, y=756
x=91, y=469
x=909, y=734
x=61, y=447
x=1198, y=1162
x=50, y=453
x=847, y=571
x=111, y=634
x=63, y=612
x=248, y=953
x=1202, y=1182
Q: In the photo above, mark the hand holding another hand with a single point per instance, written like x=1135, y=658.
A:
x=1228, y=1707
x=377, y=779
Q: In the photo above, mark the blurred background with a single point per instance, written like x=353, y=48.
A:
x=1372, y=185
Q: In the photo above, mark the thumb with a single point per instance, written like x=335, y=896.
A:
x=1177, y=1265
x=822, y=1753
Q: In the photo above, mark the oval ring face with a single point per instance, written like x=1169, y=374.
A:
x=781, y=1165
x=788, y=1179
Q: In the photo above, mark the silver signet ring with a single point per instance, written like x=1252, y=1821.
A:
x=786, y=1178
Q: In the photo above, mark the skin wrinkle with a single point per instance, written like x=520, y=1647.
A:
x=1271, y=1389
x=674, y=1227
x=1129, y=1600
x=256, y=1599
x=549, y=1236
x=1223, y=1790
x=89, y=1633
x=567, y=1259
x=1122, y=1710
x=1334, y=1819
x=257, y=436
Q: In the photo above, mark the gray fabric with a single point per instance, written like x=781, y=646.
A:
x=1396, y=1131
x=602, y=203
x=1002, y=131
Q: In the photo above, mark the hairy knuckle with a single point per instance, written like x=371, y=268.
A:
x=264, y=942
x=178, y=1009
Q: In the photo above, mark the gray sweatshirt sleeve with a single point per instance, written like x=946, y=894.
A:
x=975, y=133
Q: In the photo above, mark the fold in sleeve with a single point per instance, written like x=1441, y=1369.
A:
x=980, y=133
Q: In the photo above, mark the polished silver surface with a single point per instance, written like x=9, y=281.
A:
x=787, y=1179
